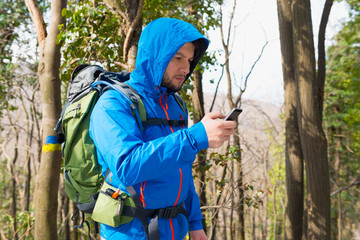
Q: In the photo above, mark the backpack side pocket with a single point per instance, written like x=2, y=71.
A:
x=108, y=210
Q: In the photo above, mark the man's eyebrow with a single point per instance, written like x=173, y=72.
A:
x=182, y=55
x=178, y=53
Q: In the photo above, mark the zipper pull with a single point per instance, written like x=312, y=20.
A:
x=75, y=110
x=119, y=206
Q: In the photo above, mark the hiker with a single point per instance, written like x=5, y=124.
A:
x=157, y=162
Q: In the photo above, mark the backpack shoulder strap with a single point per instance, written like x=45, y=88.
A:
x=181, y=102
x=164, y=121
x=133, y=98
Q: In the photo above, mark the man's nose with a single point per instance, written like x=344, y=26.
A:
x=185, y=67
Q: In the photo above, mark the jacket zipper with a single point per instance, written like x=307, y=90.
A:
x=165, y=108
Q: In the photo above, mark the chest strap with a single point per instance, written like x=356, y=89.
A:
x=152, y=228
x=164, y=121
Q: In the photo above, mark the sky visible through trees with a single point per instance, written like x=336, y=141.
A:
x=255, y=23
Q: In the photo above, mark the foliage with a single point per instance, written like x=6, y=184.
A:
x=276, y=205
x=14, y=28
x=96, y=34
x=12, y=14
x=24, y=219
x=25, y=222
x=92, y=34
x=222, y=160
x=342, y=109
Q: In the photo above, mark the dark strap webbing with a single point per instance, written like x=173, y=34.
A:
x=152, y=228
x=169, y=212
x=181, y=102
x=73, y=218
x=140, y=207
x=164, y=121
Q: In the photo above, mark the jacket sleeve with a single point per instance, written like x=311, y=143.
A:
x=120, y=144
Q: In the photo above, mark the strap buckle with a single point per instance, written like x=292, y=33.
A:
x=169, y=212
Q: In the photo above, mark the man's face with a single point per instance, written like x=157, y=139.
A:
x=178, y=68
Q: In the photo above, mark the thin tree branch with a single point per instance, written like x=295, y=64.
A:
x=356, y=182
x=238, y=99
x=116, y=7
x=217, y=86
x=122, y=65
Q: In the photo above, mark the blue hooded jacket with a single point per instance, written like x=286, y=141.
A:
x=158, y=161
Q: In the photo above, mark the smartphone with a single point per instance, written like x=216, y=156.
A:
x=232, y=116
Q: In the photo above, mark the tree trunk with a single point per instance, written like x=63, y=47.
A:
x=313, y=141
x=29, y=140
x=199, y=113
x=241, y=203
x=13, y=208
x=47, y=183
x=293, y=152
x=321, y=74
x=337, y=163
x=75, y=231
x=224, y=234
x=134, y=13
x=131, y=13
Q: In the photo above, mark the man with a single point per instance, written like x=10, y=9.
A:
x=158, y=161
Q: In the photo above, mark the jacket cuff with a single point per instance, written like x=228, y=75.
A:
x=199, y=134
x=196, y=225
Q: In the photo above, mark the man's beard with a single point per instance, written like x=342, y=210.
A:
x=166, y=82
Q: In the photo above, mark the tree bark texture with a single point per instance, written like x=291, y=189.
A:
x=131, y=12
x=47, y=183
x=303, y=112
x=199, y=113
x=239, y=180
x=321, y=53
x=13, y=173
x=134, y=13
x=313, y=141
x=293, y=151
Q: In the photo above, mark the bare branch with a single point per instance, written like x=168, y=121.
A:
x=356, y=182
x=122, y=65
x=116, y=7
x=242, y=90
x=217, y=86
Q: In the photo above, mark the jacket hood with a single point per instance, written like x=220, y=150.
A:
x=159, y=42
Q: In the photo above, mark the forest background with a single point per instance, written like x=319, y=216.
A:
x=291, y=171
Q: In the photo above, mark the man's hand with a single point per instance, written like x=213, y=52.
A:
x=198, y=235
x=218, y=131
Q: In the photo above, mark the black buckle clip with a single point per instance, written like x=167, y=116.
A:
x=169, y=212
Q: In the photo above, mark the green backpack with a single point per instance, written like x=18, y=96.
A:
x=82, y=173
